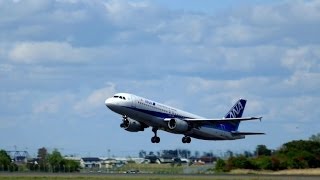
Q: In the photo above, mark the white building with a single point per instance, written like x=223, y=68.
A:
x=90, y=162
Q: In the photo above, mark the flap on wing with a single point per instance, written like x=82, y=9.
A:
x=246, y=133
x=225, y=119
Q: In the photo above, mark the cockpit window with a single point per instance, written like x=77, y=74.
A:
x=121, y=97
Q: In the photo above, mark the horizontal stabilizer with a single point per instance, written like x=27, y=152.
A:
x=246, y=133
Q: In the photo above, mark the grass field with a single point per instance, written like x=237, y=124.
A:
x=167, y=172
x=138, y=177
x=30, y=176
x=156, y=169
x=315, y=171
x=153, y=168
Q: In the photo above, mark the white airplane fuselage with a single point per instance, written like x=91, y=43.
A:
x=144, y=112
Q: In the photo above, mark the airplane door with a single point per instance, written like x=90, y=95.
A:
x=134, y=105
x=133, y=101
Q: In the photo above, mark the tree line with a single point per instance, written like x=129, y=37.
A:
x=297, y=154
x=45, y=162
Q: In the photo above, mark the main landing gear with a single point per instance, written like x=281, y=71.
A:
x=186, y=139
x=155, y=138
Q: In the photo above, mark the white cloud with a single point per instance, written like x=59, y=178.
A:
x=267, y=53
x=309, y=10
x=6, y=68
x=267, y=15
x=184, y=29
x=304, y=58
x=58, y=52
x=73, y=17
x=51, y=105
x=304, y=81
x=245, y=85
x=95, y=99
x=235, y=33
x=129, y=14
x=32, y=52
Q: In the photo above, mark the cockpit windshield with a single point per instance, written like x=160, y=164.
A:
x=121, y=97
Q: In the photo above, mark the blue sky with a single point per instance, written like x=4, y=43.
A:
x=60, y=59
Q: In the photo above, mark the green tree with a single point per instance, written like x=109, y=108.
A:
x=248, y=154
x=265, y=163
x=42, y=153
x=239, y=162
x=299, y=146
x=262, y=150
x=229, y=153
x=301, y=154
x=297, y=163
x=220, y=166
x=315, y=137
x=5, y=160
x=69, y=165
x=43, y=159
x=55, y=159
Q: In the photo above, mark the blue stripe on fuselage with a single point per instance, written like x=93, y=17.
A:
x=156, y=113
x=221, y=126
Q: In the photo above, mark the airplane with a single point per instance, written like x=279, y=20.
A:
x=139, y=113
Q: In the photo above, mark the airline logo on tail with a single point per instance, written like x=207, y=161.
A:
x=237, y=110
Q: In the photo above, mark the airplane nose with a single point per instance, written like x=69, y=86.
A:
x=108, y=102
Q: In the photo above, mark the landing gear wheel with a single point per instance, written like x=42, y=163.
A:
x=155, y=138
x=186, y=139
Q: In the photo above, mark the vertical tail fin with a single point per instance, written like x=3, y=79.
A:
x=235, y=112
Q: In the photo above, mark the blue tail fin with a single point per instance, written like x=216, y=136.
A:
x=235, y=112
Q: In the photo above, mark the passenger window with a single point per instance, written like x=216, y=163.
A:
x=124, y=98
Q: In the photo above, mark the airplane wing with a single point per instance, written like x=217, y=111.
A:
x=246, y=133
x=223, y=119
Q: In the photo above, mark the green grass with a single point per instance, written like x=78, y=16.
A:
x=149, y=177
x=153, y=168
x=106, y=177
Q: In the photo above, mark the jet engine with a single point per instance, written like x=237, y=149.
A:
x=178, y=125
x=131, y=125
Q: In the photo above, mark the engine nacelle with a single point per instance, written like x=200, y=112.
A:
x=131, y=125
x=178, y=125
